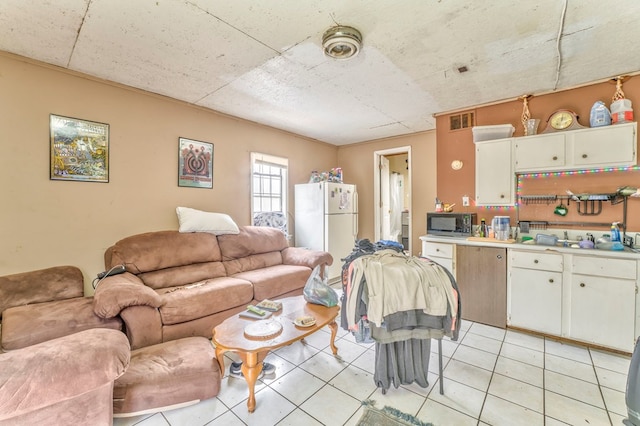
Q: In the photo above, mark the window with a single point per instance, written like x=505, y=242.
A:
x=269, y=190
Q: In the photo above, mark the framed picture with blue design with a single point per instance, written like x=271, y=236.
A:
x=195, y=163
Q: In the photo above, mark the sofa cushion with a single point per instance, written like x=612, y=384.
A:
x=251, y=240
x=30, y=324
x=192, y=220
x=253, y=262
x=44, y=285
x=162, y=376
x=197, y=300
x=153, y=251
x=276, y=280
x=181, y=275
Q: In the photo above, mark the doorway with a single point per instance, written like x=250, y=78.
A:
x=392, y=195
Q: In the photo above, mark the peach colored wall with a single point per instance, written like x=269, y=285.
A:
x=458, y=145
x=358, y=159
x=45, y=223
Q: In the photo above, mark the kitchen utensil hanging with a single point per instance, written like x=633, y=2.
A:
x=589, y=207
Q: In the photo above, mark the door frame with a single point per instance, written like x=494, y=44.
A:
x=376, y=189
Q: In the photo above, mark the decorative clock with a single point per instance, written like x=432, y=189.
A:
x=561, y=120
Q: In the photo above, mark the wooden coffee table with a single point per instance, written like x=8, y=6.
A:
x=230, y=336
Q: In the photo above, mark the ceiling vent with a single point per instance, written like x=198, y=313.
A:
x=341, y=42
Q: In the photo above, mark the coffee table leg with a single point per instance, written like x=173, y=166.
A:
x=251, y=368
x=334, y=330
x=220, y=357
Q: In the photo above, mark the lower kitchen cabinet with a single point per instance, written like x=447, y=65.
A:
x=441, y=253
x=481, y=275
x=535, y=300
x=591, y=299
x=535, y=291
x=603, y=311
x=603, y=302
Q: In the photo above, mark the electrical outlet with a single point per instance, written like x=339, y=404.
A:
x=465, y=201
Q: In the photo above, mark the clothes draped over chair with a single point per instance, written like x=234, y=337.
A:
x=400, y=302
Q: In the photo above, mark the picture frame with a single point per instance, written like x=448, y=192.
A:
x=79, y=149
x=195, y=163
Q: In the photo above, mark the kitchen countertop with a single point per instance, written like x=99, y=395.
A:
x=626, y=254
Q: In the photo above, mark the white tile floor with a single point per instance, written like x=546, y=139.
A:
x=492, y=377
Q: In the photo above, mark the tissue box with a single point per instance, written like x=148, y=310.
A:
x=487, y=133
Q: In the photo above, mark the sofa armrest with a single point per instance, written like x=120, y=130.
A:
x=60, y=369
x=143, y=326
x=116, y=292
x=304, y=257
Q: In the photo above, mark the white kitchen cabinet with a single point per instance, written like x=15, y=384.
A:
x=495, y=175
x=607, y=146
x=602, y=302
x=441, y=253
x=534, y=291
x=603, y=146
x=540, y=152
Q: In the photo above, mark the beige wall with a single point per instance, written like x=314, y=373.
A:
x=358, y=162
x=45, y=223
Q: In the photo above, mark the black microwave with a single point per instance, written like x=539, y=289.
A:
x=451, y=224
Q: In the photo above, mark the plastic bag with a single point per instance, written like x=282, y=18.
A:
x=317, y=291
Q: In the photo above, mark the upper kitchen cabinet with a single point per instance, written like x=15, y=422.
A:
x=541, y=152
x=608, y=146
x=495, y=177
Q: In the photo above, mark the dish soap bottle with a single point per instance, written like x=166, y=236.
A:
x=615, y=232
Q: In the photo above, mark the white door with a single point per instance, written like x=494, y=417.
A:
x=385, y=203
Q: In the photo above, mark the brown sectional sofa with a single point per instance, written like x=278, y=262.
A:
x=179, y=285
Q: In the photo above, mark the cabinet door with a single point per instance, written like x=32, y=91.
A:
x=535, y=300
x=441, y=253
x=540, y=152
x=481, y=275
x=495, y=178
x=603, y=311
x=603, y=146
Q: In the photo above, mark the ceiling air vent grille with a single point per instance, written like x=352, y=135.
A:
x=461, y=121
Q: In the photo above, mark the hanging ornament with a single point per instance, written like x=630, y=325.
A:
x=526, y=115
x=619, y=94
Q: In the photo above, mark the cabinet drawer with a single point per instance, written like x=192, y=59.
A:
x=605, y=267
x=438, y=250
x=536, y=260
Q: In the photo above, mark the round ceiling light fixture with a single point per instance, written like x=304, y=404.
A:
x=341, y=42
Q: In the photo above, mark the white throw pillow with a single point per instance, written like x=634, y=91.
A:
x=192, y=220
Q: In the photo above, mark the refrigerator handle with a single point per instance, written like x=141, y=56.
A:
x=355, y=215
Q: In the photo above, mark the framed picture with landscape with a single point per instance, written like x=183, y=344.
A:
x=79, y=150
x=195, y=163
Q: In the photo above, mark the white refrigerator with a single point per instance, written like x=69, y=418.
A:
x=326, y=218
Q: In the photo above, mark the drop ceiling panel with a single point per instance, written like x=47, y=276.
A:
x=167, y=47
x=44, y=30
x=262, y=61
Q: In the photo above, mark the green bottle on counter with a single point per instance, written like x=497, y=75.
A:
x=483, y=228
